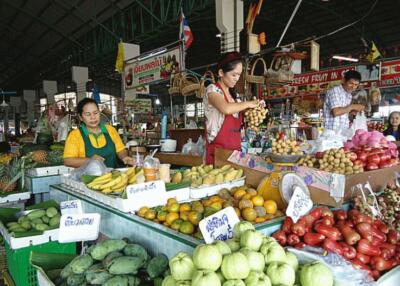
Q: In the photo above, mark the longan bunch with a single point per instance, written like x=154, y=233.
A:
x=255, y=116
x=286, y=147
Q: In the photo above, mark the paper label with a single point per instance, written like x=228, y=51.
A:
x=71, y=207
x=300, y=204
x=219, y=226
x=79, y=227
x=133, y=190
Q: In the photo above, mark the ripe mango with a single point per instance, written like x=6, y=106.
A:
x=177, y=178
x=231, y=175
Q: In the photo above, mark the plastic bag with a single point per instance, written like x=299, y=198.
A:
x=343, y=272
x=200, y=145
x=91, y=167
x=360, y=122
x=190, y=148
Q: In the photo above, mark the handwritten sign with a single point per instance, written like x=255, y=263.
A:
x=79, y=227
x=153, y=186
x=299, y=204
x=219, y=226
x=71, y=207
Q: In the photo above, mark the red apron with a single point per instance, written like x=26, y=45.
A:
x=228, y=136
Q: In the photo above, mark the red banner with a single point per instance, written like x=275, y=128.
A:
x=320, y=77
x=390, y=73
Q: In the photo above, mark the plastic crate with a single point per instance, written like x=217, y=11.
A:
x=19, y=267
x=3, y=262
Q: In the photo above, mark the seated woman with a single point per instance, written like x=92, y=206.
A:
x=393, y=127
x=94, y=140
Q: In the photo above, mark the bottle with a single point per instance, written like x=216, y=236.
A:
x=164, y=125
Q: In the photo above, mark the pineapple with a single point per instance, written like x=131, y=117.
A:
x=40, y=156
x=6, y=173
x=13, y=173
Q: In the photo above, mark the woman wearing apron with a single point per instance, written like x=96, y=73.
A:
x=93, y=139
x=222, y=107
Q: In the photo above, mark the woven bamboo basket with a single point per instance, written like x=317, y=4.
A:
x=175, y=84
x=251, y=77
x=189, y=84
x=207, y=78
x=280, y=72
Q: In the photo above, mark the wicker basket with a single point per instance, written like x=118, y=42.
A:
x=280, y=72
x=257, y=78
x=189, y=84
x=175, y=84
x=208, y=77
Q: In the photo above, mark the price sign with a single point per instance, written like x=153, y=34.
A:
x=71, y=207
x=299, y=204
x=219, y=226
x=79, y=227
x=154, y=186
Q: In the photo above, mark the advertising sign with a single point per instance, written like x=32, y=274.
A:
x=153, y=68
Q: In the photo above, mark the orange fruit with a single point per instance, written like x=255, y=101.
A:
x=245, y=203
x=173, y=208
x=162, y=215
x=258, y=200
x=249, y=214
x=171, y=201
x=150, y=214
x=270, y=206
x=142, y=211
x=237, y=210
x=195, y=217
x=185, y=207
x=260, y=219
x=215, y=199
x=206, y=202
x=216, y=205
x=252, y=192
x=186, y=227
x=239, y=194
x=246, y=196
x=176, y=224
x=197, y=206
x=184, y=215
x=171, y=217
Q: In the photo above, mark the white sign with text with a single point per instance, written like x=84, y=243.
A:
x=71, y=207
x=139, y=194
x=79, y=227
x=300, y=204
x=219, y=226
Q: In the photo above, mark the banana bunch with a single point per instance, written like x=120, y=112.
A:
x=115, y=182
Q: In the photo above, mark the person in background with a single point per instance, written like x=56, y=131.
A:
x=338, y=102
x=94, y=140
x=393, y=126
x=222, y=107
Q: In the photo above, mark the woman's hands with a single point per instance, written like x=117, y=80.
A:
x=255, y=103
x=97, y=157
x=128, y=161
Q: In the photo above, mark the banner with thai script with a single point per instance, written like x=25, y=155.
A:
x=153, y=68
x=390, y=73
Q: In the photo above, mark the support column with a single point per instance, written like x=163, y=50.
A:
x=30, y=98
x=50, y=89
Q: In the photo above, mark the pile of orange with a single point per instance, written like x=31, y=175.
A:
x=185, y=217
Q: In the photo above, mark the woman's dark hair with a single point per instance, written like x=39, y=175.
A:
x=389, y=130
x=352, y=75
x=227, y=63
x=83, y=102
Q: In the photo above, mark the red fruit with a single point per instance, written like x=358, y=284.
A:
x=319, y=155
x=381, y=264
x=378, y=234
x=392, y=236
x=386, y=253
x=364, y=229
x=381, y=226
x=299, y=228
x=309, y=219
x=326, y=212
x=372, y=166
x=313, y=239
x=300, y=245
x=293, y=239
x=349, y=252
x=363, y=218
x=352, y=156
x=363, y=258
x=329, y=231
x=280, y=236
x=350, y=235
x=365, y=247
x=353, y=213
x=332, y=246
x=388, y=246
x=340, y=214
x=287, y=223
x=316, y=213
x=362, y=156
x=340, y=223
x=358, y=264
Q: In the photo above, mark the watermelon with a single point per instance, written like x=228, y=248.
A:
x=44, y=138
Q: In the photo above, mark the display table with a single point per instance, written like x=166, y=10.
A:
x=179, y=159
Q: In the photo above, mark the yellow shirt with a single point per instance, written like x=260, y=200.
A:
x=75, y=146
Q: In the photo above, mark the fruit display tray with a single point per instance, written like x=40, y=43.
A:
x=49, y=171
x=206, y=191
x=15, y=198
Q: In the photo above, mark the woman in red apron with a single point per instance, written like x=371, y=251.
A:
x=222, y=107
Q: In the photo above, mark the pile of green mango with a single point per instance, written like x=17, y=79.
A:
x=39, y=220
x=114, y=262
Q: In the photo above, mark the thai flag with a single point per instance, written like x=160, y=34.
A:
x=184, y=31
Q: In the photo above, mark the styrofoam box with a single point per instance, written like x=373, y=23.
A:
x=49, y=171
x=21, y=242
x=42, y=278
x=198, y=193
x=15, y=197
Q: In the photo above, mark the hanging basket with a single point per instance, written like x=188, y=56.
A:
x=189, y=84
x=260, y=79
x=207, y=78
x=280, y=72
x=175, y=84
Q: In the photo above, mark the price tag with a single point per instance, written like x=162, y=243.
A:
x=219, y=226
x=71, y=207
x=299, y=204
x=136, y=189
x=79, y=227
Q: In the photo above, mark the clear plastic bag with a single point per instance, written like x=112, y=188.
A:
x=343, y=272
x=190, y=148
x=91, y=167
x=360, y=122
x=200, y=145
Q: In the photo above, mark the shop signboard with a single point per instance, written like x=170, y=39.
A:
x=71, y=207
x=79, y=227
x=390, y=74
x=139, y=105
x=152, y=68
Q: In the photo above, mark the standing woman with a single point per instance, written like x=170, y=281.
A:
x=222, y=107
x=93, y=139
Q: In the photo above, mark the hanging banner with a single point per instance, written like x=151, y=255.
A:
x=390, y=73
x=152, y=68
x=139, y=105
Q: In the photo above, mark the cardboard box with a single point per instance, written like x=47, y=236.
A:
x=325, y=186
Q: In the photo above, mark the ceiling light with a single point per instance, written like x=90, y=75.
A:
x=218, y=35
x=345, y=58
x=157, y=102
x=4, y=104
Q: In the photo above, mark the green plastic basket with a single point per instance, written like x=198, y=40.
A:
x=22, y=272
